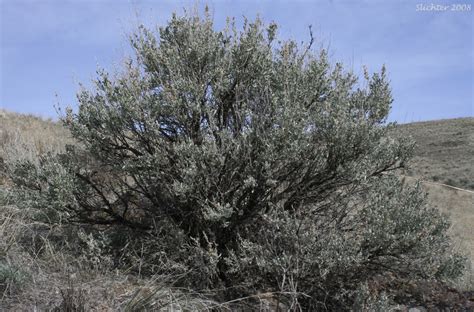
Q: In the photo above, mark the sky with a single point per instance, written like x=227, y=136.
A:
x=48, y=47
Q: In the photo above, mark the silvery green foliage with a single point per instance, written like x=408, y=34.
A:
x=385, y=229
x=256, y=162
x=48, y=184
x=365, y=300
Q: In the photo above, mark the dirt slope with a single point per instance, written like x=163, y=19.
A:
x=445, y=155
x=444, y=152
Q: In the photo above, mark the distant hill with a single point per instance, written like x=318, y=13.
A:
x=445, y=155
x=23, y=137
x=444, y=152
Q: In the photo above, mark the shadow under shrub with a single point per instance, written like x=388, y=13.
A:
x=246, y=163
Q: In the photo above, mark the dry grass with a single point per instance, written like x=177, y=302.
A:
x=40, y=268
x=27, y=136
x=40, y=272
x=444, y=152
x=459, y=206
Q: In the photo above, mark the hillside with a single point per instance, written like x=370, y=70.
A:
x=23, y=136
x=444, y=154
x=444, y=151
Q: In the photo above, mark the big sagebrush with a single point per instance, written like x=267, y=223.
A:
x=245, y=162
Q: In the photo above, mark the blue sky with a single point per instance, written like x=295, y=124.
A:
x=48, y=47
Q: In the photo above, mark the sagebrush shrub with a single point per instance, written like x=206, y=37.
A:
x=247, y=162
